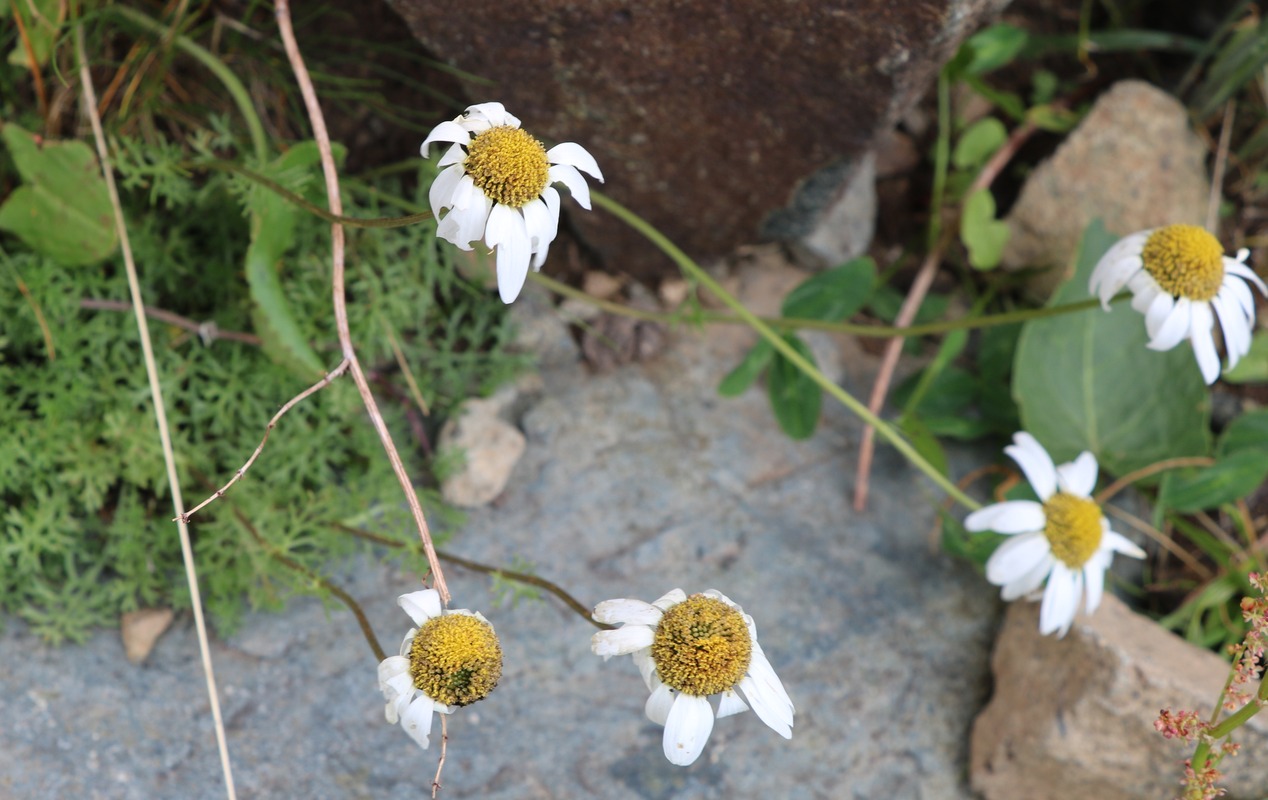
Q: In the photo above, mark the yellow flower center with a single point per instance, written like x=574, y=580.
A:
x=508, y=165
x=702, y=646
x=1073, y=528
x=1185, y=260
x=455, y=659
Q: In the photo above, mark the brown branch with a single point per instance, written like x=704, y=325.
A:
x=41, y=94
x=1102, y=497
x=334, y=201
x=207, y=331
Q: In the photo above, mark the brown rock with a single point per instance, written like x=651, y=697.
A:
x=1074, y=717
x=1133, y=162
x=492, y=448
x=705, y=118
x=141, y=629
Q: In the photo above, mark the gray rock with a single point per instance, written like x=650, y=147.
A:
x=1133, y=162
x=633, y=482
x=490, y=446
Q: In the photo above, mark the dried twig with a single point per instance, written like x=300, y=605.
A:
x=1217, y=174
x=207, y=331
x=444, y=747
x=160, y=414
x=335, y=203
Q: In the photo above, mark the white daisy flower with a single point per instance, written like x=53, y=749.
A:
x=496, y=181
x=1064, y=537
x=1181, y=281
x=687, y=649
x=451, y=659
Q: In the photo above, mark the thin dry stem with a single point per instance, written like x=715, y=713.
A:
x=237, y=476
x=335, y=203
x=1221, y=160
x=444, y=746
x=45, y=331
x=207, y=331
x=1105, y=495
x=160, y=414
x=37, y=76
x=1164, y=541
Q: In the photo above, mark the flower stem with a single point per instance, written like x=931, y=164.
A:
x=766, y=332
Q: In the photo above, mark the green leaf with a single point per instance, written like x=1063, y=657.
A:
x=972, y=546
x=995, y=47
x=982, y=234
x=1247, y=432
x=1253, y=367
x=1086, y=381
x=62, y=210
x=742, y=377
x=1228, y=479
x=952, y=390
x=925, y=442
x=978, y=143
x=794, y=398
x=834, y=294
x=41, y=30
x=273, y=221
x=886, y=301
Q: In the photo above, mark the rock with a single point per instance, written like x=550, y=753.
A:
x=844, y=231
x=600, y=284
x=541, y=330
x=1074, y=717
x=703, y=124
x=492, y=447
x=673, y=292
x=141, y=629
x=1133, y=162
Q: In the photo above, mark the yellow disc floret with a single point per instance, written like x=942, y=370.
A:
x=508, y=165
x=1073, y=528
x=1185, y=260
x=455, y=659
x=702, y=646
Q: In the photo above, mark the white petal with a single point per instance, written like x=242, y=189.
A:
x=730, y=703
x=621, y=641
x=1016, y=557
x=765, y=693
x=1028, y=581
x=575, y=155
x=1203, y=343
x=1035, y=463
x=1119, y=543
x=635, y=612
x=1158, y=311
x=1110, y=277
x=687, y=729
x=454, y=155
x=472, y=222
x=506, y=232
x=1012, y=516
x=408, y=641
x=1241, y=270
x=465, y=194
x=1234, y=324
x=537, y=222
x=417, y=720
x=1079, y=476
x=1239, y=289
x=646, y=667
x=440, y=195
x=1060, y=600
x=672, y=598
x=493, y=113
x=1175, y=327
x=568, y=176
x=421, y=605
x=658, y=705
x=1094, y=581
x=446, y=132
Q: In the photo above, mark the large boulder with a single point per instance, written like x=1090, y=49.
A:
x=707, y=118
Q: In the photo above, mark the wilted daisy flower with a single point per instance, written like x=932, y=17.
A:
x=1181, y=281
x=1064, y=537
x=687, y=649
x=496, y=183
x=451, y=659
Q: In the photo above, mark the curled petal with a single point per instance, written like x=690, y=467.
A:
x=621, y=641
x=421, y=605
x=659, y=704
x=634, y=612
x=1079, y=476
x=687, y=729
x=568, y=176
x=1035, y=463
x=575, y=155
x=446, y=132
x=1012, y=516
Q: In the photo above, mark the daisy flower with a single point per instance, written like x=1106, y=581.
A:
x=451, y=659
x=495, y=180
x=1064, y=537
x=1181, y=281
x=689, y=648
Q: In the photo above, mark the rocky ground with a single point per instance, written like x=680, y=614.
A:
x=633, y=482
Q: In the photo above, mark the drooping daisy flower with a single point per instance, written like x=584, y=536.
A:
x=1181, y=281
x=451, y=659
x=1064, y=537
x=496, y=181
x=687, y=649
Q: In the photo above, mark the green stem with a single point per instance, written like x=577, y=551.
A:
x=693, y=269
x=232, y=85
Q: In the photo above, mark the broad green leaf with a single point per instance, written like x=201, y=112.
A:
x=742, y=377
x=982, y=234
x=272, y=234
x=886, y=301
x=1052, y=119
x=951, y=391
x=1228, y=479
x=978, y=143
x=1086, y=381
x=1253, y=367
x=1247, y=432
x=62, y=209
x=995, y=47
x=794, y=398
x=834, y=294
